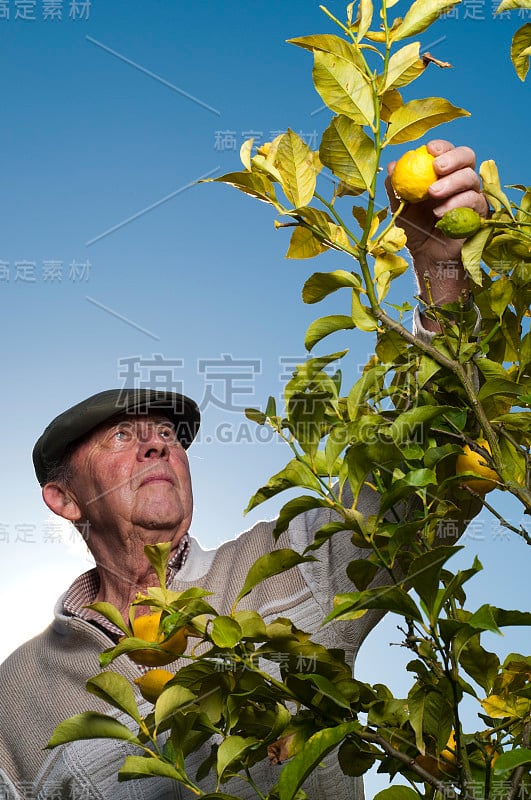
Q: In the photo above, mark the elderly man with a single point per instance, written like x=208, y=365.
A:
x=116, y=465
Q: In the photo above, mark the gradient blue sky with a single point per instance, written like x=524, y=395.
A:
x=107, y=122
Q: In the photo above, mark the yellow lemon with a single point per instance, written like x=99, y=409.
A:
x=146, y=627
x=470, y=461
x=413, y=174
x=492, y=753
x=444, y=764
x=153, y=682
x=449, y=752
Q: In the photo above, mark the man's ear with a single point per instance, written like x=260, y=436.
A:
x=61, y=501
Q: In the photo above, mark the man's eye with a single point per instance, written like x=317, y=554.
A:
x=168, y=434
x=122, y=435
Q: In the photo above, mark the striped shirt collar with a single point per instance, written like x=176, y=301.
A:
x=84, y=589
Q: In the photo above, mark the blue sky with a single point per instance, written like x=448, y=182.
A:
x=112, y=259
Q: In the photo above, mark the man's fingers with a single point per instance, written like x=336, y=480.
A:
x=439, y=146
x=468, y=199
x=462, y=180
x=455, y=159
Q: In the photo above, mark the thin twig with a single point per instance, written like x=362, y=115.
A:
x=503, y=522
x=440, y=786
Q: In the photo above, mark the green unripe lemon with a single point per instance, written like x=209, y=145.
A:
x=459, y=223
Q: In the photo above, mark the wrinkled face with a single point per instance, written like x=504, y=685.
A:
x=133, y=472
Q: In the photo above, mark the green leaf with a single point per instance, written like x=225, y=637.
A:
x=362, y=315
x=353, y=760
x=219, y=796
x=305, y=244
x=111, y=613
x=338, y=438
x=321, y=284
x=324, y=326
x=245, y=153
x=225, y=632
x=507, y=618
x=172, y=699
x=497, y=386
x=326, y=688
x=348, y=152
x=413, y=119
x=366, y=11
x=425, y=570
x=334, y=45
x=479, y=663
x=292, y=509
x=265, y=164
x=369, y=384
x=158, y=556
x=391, y=100
x=515, y=463
x=471, y=253
x=255, y=415
x=129, y=645
x=491, y=186
x=507, y=762
x=343, y=87
x=90, y=725
x=270, y=564
x=316, y=748
x=509, y=5
x=397, y=793
x=484, y=619
x=404, y=427
x=521, y=49
x=385, y=598
x=420, y=15
x=454, y=585
x=252, y=625
x=387, y=267
x=294, y=161
x=427, y=369
x=251, y=183
x=232, y=749
x=404, y=66
x=145, y=767
x=115, y=690
x=429, y=711
x=295, y=473
x=500, y=295
x=361, y=572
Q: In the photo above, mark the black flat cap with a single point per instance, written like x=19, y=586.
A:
x=82, y=418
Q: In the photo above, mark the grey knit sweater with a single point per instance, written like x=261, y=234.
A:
x=43, y=682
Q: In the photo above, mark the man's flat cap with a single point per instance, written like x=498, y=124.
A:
x=82, y=418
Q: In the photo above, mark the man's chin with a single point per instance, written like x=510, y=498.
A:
x=160, y=525
x=169, y=523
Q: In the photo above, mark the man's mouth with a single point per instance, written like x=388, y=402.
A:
x=156, y=479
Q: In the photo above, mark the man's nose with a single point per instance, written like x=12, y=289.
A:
x=150, y=445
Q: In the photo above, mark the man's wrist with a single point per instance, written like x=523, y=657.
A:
x=465, y=300
x=442, y=282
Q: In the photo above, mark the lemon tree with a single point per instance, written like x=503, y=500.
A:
x=430, y=426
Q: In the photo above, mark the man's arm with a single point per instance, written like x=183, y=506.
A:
x=437, y=259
